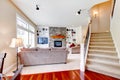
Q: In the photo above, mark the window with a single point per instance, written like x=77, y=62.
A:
x=26, y=32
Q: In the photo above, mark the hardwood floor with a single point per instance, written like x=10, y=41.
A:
x=67, y=75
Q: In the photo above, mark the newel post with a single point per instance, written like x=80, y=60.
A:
x=82, y=58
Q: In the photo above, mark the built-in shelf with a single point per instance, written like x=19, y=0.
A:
x=70, y=36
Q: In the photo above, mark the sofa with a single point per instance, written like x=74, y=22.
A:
x=75, y=50
x=39, y=56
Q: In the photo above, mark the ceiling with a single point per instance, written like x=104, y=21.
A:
x=59, y=13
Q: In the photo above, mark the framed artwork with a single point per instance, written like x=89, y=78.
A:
x=42, y=40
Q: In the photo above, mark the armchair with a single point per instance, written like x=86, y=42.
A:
x=75, y=50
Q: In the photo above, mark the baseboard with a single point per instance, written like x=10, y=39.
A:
x=10, y=68
x=105, y=73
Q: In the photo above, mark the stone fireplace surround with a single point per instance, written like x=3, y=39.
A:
x=53, y=34
x=57, y=31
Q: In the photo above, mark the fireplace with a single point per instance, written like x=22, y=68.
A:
x=57, y=43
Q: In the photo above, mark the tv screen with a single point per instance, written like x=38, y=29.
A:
x=57, y=43
x=42, y=40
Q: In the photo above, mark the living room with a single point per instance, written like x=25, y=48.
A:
x=45, y=36
x=36, y=34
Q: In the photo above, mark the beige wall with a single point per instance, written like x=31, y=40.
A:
x=101, y=23
x=115, y=26
x=8, y=30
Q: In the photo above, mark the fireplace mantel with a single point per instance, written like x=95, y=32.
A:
x=58, y=36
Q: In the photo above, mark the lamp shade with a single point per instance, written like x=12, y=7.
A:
x=16, y=42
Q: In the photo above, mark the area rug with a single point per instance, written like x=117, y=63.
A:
x=73, y=63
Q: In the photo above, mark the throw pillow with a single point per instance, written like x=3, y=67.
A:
x=72, y=45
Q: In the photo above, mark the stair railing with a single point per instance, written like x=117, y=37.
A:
x=84, y=48
x=113, y=7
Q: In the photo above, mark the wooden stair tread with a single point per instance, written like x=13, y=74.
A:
x=105, y=62
x=104, y=56
x=100, y=50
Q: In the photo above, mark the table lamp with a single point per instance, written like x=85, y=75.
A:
x=16, y=43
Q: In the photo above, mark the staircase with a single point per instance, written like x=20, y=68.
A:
x=102, y=56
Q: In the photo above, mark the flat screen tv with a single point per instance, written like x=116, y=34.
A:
x=42, y=40
x=57, y=43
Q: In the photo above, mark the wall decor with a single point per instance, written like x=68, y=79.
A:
x=37, y=33
x=70, y=36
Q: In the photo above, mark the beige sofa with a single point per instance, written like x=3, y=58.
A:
x=43, y=56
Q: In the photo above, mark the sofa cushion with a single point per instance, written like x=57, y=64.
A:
x=43, y=49
x=29, y=49
x=60, y=48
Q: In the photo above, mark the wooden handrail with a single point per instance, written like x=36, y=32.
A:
x=84, y=37
x=114, y=2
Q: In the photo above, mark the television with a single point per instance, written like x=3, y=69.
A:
x=57, y=43
x=42, y=40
